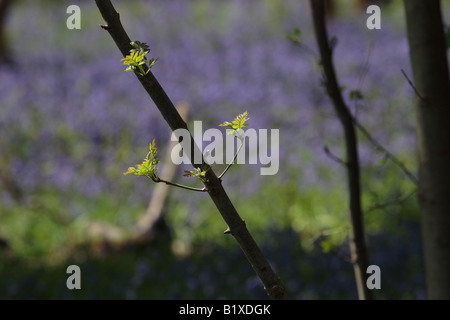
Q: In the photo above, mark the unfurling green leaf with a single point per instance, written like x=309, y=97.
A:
x=294, y=36
x=137, y=58
x=148, y=166
x=197, y=172
x=237, y=124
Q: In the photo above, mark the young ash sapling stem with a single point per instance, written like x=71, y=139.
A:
x=213, y=185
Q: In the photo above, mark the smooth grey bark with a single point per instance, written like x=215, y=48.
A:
x=431, y=82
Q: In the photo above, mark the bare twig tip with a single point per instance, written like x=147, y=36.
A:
x=334, y=157
x=412, y=85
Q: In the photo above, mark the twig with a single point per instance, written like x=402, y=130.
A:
x=389, y=155
x=181, y=185
x=391, y=203
x=362, y=77
x=412, y=85
x=333, y=156
x=232, y=162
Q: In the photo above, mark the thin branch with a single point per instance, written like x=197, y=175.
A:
x=180, y=185
x=391, y=203
x=362, y=77
x=412, y=85
x=232, y=162
x=365, y=70
x=307, y=49
x=334, y=157
x=371, y=139
x=294, y=38
x=389, y=155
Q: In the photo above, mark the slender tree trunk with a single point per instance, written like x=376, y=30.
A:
x=356, y=238
x=432, y=84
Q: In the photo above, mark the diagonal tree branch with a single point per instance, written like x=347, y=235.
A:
x=236, y=225
x=357, y=241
